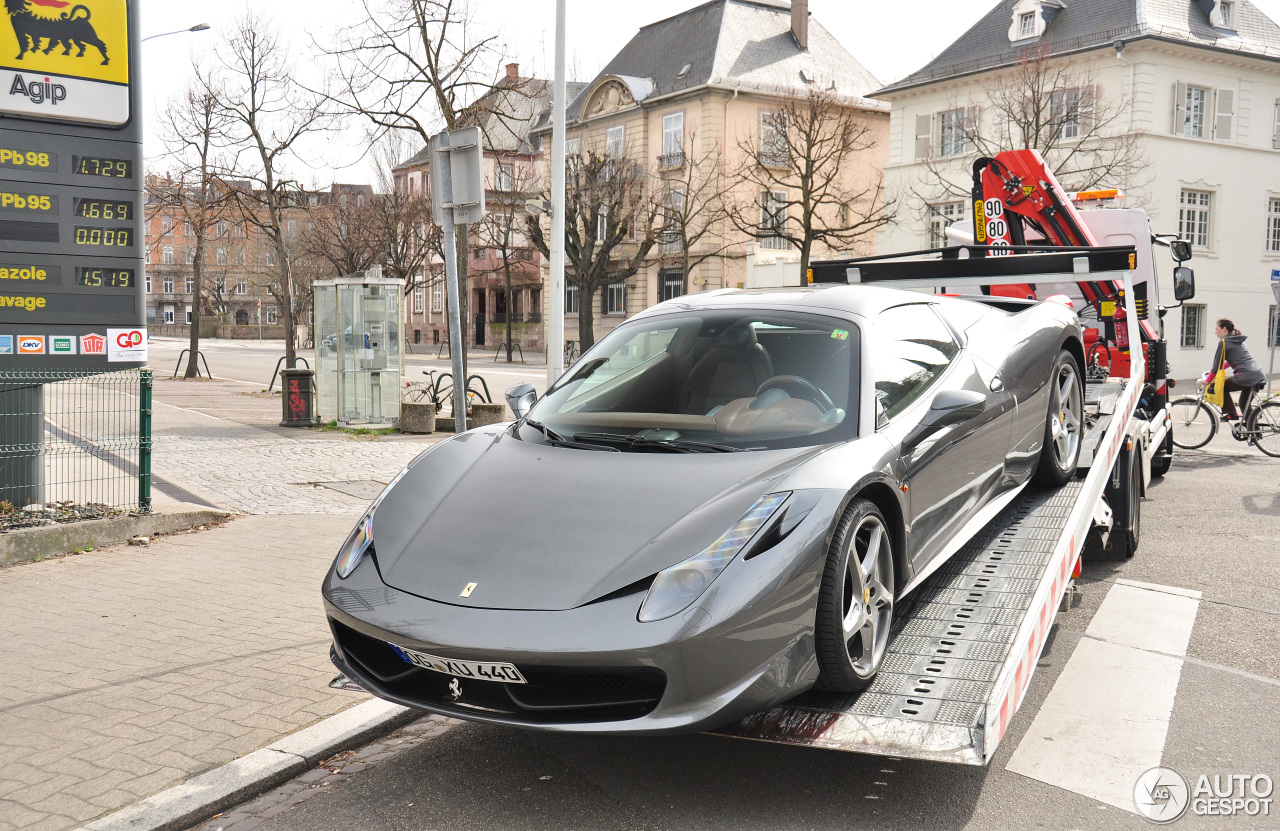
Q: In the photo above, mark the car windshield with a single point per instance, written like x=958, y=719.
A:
x=707, y=381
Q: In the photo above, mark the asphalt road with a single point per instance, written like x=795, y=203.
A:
x=252, y=363
x=1212, y=525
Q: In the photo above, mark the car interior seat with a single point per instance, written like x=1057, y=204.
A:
x=733, y=368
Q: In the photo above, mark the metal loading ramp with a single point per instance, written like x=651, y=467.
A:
x=965, y=643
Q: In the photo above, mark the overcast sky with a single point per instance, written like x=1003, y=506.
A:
x=889, y=45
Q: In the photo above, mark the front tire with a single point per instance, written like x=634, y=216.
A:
x=1064, y=427
x=855, y=602
x=1194, y=423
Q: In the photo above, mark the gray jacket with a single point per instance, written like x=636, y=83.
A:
x=1247, y=371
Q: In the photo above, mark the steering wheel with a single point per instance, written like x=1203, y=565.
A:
x=798, y=387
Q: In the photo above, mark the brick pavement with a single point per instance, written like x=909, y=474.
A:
x=130, y=669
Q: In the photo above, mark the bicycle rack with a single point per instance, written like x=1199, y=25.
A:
x=199, y=357
x=276, y=374
x=510, y=352
x=488, y=397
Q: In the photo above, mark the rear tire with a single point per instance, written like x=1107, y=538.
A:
x=1264, y=425
x=1194, y=423
x=1064, y=425
x=855, y=601
x=1163, y=460
x=1126, y=508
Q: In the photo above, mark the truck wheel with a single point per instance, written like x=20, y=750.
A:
x=1126, y=508
x=1163, y=460
x=855, y=601
x=1064, y=425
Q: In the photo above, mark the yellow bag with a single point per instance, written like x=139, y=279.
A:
x=1214, y=394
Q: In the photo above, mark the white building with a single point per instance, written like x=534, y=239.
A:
x=1195, y=83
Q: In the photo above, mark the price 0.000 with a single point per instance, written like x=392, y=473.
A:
x=104, y=209
x=94, y=166
x=116, y=278
x=112, y=237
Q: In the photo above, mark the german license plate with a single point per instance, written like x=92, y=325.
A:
x=480, y=670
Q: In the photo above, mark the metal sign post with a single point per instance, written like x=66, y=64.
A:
x=457, y=198
x=1275, y=330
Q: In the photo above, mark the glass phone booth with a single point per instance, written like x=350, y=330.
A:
x=359, y=359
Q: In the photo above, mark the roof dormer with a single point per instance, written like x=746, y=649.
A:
x=1224, y=14
x=1031, y=18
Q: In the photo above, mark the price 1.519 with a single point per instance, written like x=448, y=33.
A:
x=115, y=278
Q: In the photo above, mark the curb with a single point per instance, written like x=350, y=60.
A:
x=26, y=544
x=200, y=797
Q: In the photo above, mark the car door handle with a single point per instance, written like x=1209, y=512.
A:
x=997, y=384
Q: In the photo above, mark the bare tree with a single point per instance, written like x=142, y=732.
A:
x=609, y=229
x=1041, y=103
x=270, y=115
x=799, y=184
x=192, y=125
x=505, y=230
x=693, y=209
x=343, y=234
x=406, y=238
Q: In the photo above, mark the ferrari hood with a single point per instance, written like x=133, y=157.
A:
x=546, y=528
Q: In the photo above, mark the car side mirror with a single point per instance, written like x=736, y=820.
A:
x=954, y=406
x=1184, y=283
x=1181, y=250
x=521, y=399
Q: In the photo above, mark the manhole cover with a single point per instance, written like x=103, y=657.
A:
x=365, y=489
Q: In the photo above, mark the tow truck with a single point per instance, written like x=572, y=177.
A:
x=965, y=646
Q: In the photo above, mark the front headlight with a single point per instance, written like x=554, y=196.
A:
x=360, y=540
x=675, y=588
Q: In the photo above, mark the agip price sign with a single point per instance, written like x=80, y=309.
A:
x=71, y=211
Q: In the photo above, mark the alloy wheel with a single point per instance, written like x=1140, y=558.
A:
x=1067, y=421
x=868, y=601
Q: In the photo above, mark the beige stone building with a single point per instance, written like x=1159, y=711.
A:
x=702, y=88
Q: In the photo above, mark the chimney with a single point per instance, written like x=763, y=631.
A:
x=800, y=22
x=513, y=72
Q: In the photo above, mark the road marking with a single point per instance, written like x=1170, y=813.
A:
x=1107, y=717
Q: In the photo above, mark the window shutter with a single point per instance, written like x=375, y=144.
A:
x=1224, y=114
x=971, y=121
x=1085, y=107
x=1179, y=108
x=1275, y=132
x=924, y=136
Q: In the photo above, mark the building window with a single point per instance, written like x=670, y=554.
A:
x=602, y=224
x=166, y=284
x=1027, y=25
x=271, y=315
x=166, y=225
x=419, y=299
x=773, y=219
x=615, y=298
x=673, y=222
x=572, y=154
x=187, y=230
x=291, y=228
x=148, y=284
x=1273, y=226
x=242, y=257
x=1064, y=113
x=271, y=256
x=221, y=228
x=242, y=286
x=220, y=255
x=672, y=140
x=166, y=255
x=1194, y=217
x=571, y=296
x=188, y=315
x=614, y=141
x=1227, y=14
x=1192, y=327
x=190, y=286
x=952, y=141
x=168, y=316
x=774, y=150
x=672, y=285
x=189, y=255
x=505, y=180
x=941, y=217
x=437, y=297
x=1196, y=107
x=220, y=286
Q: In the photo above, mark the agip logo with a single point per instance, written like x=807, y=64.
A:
x=70, y=60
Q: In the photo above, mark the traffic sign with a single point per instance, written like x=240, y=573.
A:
x=1275, y=275
x=71, y=208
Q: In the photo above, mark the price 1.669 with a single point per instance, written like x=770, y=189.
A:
x=104, y=209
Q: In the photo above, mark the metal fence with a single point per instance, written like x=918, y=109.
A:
x=73, y=445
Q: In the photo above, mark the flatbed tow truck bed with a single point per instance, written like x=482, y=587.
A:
x=966, y=643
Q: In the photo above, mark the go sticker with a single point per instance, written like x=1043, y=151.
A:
x=840, y=334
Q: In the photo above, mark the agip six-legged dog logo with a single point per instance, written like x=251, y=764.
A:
x=35, y=28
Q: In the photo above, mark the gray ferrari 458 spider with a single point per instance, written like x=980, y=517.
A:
x=714, y=510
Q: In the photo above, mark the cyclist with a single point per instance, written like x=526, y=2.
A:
x=1246, y=372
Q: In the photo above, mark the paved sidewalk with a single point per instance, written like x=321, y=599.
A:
x=130, y=669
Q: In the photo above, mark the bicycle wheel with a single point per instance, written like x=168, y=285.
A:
x=1194, y=423
x=416, y=394
x=1264, y=426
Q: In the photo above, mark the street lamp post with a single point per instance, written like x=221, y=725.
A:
x=199, y=27
x=555, y=305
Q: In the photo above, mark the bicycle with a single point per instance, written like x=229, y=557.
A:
x=572, y=351
x=1195, y=422
x=438, y=390
x=416, y=392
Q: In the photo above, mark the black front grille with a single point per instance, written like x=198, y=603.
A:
x=553, y=694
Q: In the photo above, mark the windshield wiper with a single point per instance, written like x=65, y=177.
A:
x=557, y=440
x=673, y=445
